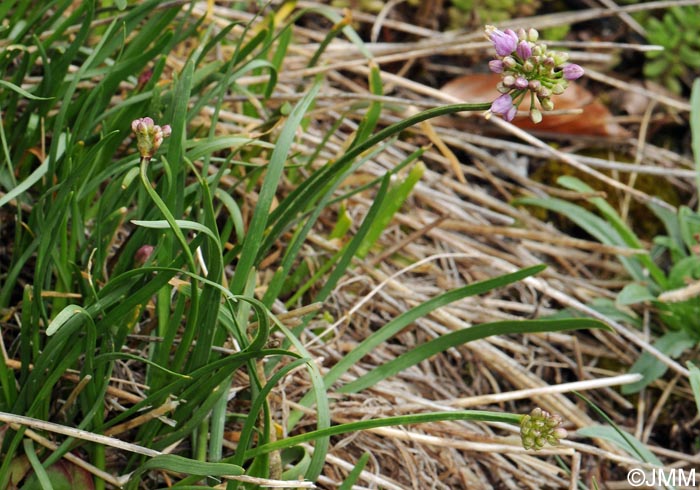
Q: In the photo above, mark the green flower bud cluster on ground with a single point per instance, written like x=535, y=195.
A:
x=541, y=428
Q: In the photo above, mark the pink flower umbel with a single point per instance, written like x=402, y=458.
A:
x=149, y=136
x=527, y=67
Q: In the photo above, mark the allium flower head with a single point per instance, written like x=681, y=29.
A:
x=149, y=136
x=540, y=428
x=527, y=67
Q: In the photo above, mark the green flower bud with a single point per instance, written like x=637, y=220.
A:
x=559, y=87
x=546, y=104
x=560, y=57
x=533, y=35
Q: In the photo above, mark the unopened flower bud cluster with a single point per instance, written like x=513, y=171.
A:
x=527, y=68
x=540, y=428
x=149, y=136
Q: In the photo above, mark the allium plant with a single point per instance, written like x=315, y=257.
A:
x=527, y=68
x=540, y=428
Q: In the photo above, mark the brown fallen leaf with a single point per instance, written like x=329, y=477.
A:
x=595, y=120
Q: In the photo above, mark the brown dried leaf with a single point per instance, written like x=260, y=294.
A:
x=596, y=119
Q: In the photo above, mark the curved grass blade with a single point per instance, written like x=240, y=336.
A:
x=21, y=91
x=39, y=471
x=172, y=462
x=460, y=337
x=260, y=218
x=323, y=414
x=249, y=426
x=592, y=224
x=617, y=223
x=695, y=131
x=399, y=323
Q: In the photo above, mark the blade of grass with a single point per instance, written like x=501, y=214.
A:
x=422, y=418
x=618, y=224
x=396, y=196
x=405, y=319
x=172, y=462
x=624, y=440
x=354, y=475
x=323, y=416
x=695, y=131
x=260, y=218
x=592, y=224
x=299, y=199
x=695, y=383
x=249, y=425
x=39, y=471
x=460, y=337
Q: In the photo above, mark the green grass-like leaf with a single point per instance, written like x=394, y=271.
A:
x=695, y=131
x=172, y=462
x=460, y=337
x=259, y=221
x=422, y=418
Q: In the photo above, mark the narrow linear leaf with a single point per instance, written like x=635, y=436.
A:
x=171, y=462
x=323, y=412
x=354, y=475
x=695, y=382
x=184, y=224
x=259, y=221
x=40, y=473
x=695, y=131
x=627, y=442
x=422, y=418
x=63, y=316
x=33, y=178
x=123, y=355
x=21, y=91
x=397, y=195
x=460, y=337
x=399, y=323
x=614, y=219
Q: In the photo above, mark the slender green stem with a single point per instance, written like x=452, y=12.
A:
x=478, y=415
